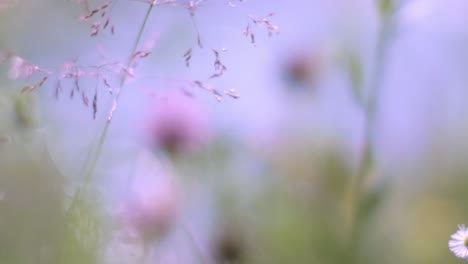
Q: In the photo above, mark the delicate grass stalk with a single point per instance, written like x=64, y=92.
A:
x=91, y=164
x=367, y=154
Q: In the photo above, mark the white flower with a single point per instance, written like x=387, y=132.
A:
x=459, y=243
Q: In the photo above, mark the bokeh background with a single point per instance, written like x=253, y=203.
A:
x=266, y=178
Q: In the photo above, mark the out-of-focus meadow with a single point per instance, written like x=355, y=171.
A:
x=347, y=144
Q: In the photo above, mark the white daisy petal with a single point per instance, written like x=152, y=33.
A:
x=459, y=243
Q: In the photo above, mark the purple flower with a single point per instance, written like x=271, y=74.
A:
x=177, y=123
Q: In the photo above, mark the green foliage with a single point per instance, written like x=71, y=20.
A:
x=82, y=233
x=386, y=7
x=30, y=205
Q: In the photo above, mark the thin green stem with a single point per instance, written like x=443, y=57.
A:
x=137, y=42
x=367, y=155
x=90, y=167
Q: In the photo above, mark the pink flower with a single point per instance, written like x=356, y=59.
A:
x=4, y=4
x=177, y=123
x=152, y=202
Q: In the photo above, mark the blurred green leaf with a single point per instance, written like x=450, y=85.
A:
x=356, y=74
x=386, y=7
x=30, y=205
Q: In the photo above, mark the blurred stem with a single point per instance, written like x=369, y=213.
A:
x=195, y=245
x=90, y=166
x=367, y=154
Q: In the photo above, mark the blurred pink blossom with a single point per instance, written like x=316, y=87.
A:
x=4, y=4
x=151, y=204
x=177, y=123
